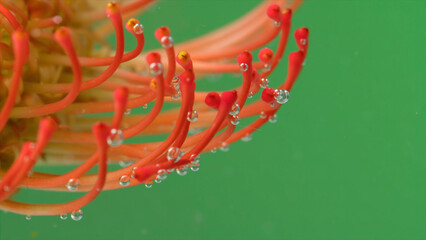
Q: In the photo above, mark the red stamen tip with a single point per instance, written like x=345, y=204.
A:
x=121, y=95
x=153, y=57
x=229, y=97
x=47, y=126
x=274, y=12
x=162, y=32
x=268, y=95
x=142, y=174
x=286, y=16
x=213, y=100
x=265, y=55
x=101, y=132
x=112, y=8
x=245, y=57
x=296, y=58
x=62, y=33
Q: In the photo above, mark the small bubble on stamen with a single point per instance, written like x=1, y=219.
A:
x=63, y=216
x=115, y=138
x=167, y=42
x=244, y=67
x=277, y=24
x=148, y=185
x=77, y=215
x=214, y=150
x=183, y=171
x=124, y=180
x=173, y=154
x=157, y=181
x=177, y=95
x=162, y=174
x=264, y=83
x=124, y=164
x=263, y=115
x=156, y=68
x=273, y=118
x=224, y=147
x=128, y=111
x=282, y=96
x=303, y=41
x=235, y=120
x=195, y=159
x=28, y=217
x=73, y=184
x=247, y=137
x=145, y=106
x=192, y=116
x=235, y=110
x=195, y=168
x=138, y=28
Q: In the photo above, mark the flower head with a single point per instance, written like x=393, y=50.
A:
x=52, y=77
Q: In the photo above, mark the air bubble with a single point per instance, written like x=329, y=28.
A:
x=157, y=181
x=235, y=120
x=264, y=83
x=263, y=115
x=177, y=95
x=281, y=96
x=273, y=119
x=303, y=41
x=145, y=106
x=148, y=185
x=77, y=215
x=28, y=217
x=214, y=150
x=192, y=116
x=167, y=42
x=173, y=154
x=138, y=28
x=156, y=68
x=115, y=138
x=195, y=158
x=124, y=164
x=124, y=180
x=224, y=147
x=183, y=171
x=128, y=111
x=235, y=109
x=195, y=168
x=247, y=137
x=244, y=67
x=162, y=174
x=64, y=216
x=73, y=184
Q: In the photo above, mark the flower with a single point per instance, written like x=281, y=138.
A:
x=52, y=77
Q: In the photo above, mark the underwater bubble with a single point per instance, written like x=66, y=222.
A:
x=115, y=138
x=183, y=171
x=235, y=120
x=64, y=216
x=138, y=28
x=192, y=116
x=247, y=137
x=155, y=68
x=124, y=180
x=77, y=215
x=148, y=185
x=173, y=154
x=235, y=110
x=264, y=83
x=244, y=67
x=195, y=168
x=73, y=184
x=273, y=119
x=161, y=174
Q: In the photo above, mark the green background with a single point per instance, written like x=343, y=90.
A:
x=346, y=160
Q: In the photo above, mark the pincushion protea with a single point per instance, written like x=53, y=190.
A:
x=51, y=77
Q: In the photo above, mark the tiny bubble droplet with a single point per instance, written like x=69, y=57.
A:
x=235, y=109
x=167, y=42
x=195, y=168
x=224, y=148
x=192, y=116
x=264, y=83
x=64, y=216
x=162, y=174
x=244, y=67
x=247, y=137
x=73, y=184
x=273, y=118
x=124, y=164
x=157, y=181
x=28, y=217
x=195, y=159
x=156, y=68
x=148, y=185
x=214, y=150
x=263, y=115
x=115, y=138
x=235, y=120
x=138, y=28
x=124, y=180
x=183, y=171
x=128, y=111
x=77, y=215
x=173, y=154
